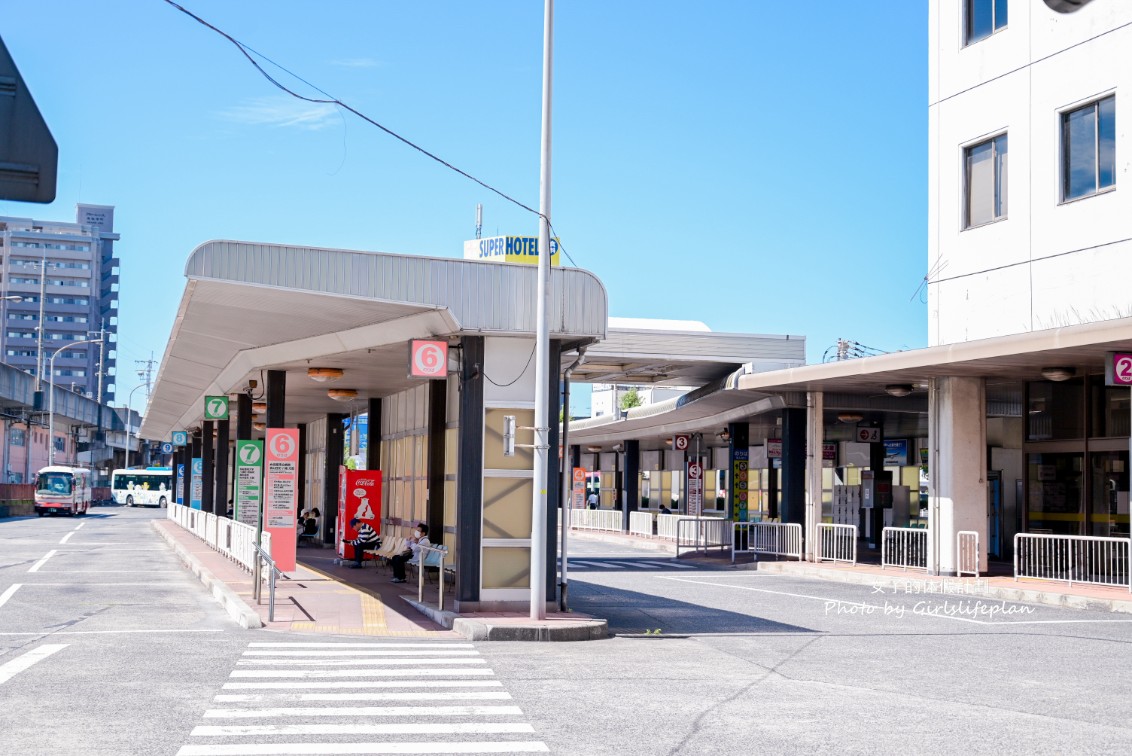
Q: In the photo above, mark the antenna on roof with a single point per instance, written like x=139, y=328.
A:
x=479, y=220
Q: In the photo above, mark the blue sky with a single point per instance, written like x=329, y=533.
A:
x=759, y=166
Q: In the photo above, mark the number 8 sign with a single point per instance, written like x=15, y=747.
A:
x=428, y=359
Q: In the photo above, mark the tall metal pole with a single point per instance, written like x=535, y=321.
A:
x=542, y=339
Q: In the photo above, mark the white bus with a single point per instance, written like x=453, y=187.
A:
x=62, y=490
x=151, y=487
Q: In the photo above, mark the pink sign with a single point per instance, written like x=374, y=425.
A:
x=280, y=494
x=1122, y=369
x=428, y=359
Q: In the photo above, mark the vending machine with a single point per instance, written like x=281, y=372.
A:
x=359, y=496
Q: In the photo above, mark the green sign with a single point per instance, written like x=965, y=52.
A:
x=249, y=481
x=216, y=408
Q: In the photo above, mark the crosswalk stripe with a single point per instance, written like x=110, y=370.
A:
x=367, y=652
x=362, y=684
x=315, y=673
x=591, y=565
x=366, y=711
x=671, y=565
x=398, y=728
x=400, y=695
x=360, y=662
x=264, y=644
x=286, y=749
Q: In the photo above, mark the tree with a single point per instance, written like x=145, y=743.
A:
x=631, y=399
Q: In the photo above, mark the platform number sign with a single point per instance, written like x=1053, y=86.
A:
x=167, y=448
x=1118, y=369
x=180, y=438
x=680, y=441
x=428, y=359
x=216, y=408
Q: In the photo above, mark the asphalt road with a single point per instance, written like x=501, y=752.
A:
x=108, y=646
x=738, y=662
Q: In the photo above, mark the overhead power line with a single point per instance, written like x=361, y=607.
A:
x=329, y=99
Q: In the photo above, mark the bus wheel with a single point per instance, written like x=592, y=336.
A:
x=129, y=501
x=163, y=503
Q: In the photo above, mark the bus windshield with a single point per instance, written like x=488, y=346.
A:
x=54, y=482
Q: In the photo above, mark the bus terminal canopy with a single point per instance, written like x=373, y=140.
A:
x=249, y=307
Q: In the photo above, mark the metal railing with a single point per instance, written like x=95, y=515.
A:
x=666, y=526
x=967, y=555
x=702, y=534
x=596, y=519
x=433, y=557
x=640, y=523
x=906, y=548
x=233, y=539
x=1094, y=560
x=272, y=573
x=772, y=538
x=836, y=543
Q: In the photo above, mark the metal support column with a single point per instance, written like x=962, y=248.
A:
x=222, y=496
x=208, y=459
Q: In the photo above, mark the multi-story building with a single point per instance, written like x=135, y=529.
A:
x=1028, y=229
x=68, y=273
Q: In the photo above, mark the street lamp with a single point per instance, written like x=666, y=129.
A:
x=129, y=418
x=39, y=326
x=51, y=402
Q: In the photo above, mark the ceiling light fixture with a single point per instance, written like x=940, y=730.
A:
x=259, y=426
x=259, y=408
x=1058, y=373
x=850, y=417
x=342, y=395
x=594, y=449
x=898, y=389
x=323, y=374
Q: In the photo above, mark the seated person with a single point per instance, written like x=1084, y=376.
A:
x=665, y=510
x=420, y=538
x=367, y=539
x=307, y=526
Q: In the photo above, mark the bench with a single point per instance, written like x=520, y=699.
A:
x=434, y=560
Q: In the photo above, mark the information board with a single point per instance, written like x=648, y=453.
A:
x=249, y=481
x=280, y=484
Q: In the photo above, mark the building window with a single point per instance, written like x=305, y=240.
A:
x=986, y=181
x=1088, y=149
x=984, y=18
x=16, y=436
x=60, y=444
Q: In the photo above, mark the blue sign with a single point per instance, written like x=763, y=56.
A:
x=180, y=495
x=180, y=438
x=166, y=448
x=896, y=453
x=196, y=484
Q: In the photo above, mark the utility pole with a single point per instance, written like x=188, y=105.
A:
x=147, y=373
x=98, y=397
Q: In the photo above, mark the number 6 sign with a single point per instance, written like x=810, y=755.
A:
x=428, y=359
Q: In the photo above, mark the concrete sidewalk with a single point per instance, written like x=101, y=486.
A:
x=323, y=596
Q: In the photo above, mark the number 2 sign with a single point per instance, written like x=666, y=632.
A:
x=1118, y=369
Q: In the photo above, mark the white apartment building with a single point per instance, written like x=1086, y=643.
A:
x=1028, y=226
x=79, y=292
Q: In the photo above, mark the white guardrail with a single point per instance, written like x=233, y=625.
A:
x=640, y=524
x=233, y=539
x=702, y=534
x=967, y=554
x=904, y=547
x=596, y=519
x=773, y=538
x=837, y=543
x=1095, y=560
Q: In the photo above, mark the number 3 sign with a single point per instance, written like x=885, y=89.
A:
x=428, y=359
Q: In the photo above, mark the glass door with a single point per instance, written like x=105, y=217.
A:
x=1056, y=497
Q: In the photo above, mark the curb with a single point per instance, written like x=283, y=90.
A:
x=241, y=613
x=485, y=630
x=623, y=540
x=1020, y=594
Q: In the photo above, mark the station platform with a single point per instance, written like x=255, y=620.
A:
x=323, y=597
